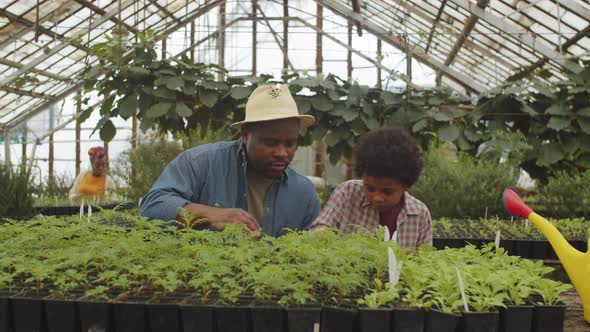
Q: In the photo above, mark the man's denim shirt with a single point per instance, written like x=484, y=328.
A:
x=215, y=175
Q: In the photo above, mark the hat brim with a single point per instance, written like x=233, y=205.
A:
x=304, y=121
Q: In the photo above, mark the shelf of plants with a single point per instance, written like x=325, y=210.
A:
x=75, y=273
x=516, y=236
x=70, y=210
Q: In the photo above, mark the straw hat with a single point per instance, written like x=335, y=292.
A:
x=269, y=103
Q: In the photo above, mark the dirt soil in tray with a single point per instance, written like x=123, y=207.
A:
x=574, y=313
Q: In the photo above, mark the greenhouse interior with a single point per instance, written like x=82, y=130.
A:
x=294, y=165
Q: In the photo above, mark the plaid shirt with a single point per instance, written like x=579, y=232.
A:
x=347, y=209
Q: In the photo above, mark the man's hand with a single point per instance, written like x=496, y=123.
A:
x=217, y=217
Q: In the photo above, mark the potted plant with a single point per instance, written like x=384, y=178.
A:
x=375, y=311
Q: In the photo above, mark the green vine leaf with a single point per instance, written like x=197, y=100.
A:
x=208, y=97
x=158, y=110
x=584, y=124
x=108, y=131
x=128, y=105
x=173, y=83
x=389, y=98
x=584, y=112
x=183, y=110
x=240, y=92
x=558, y=123
x=418, y=126
x=321, y=103
x=448, y=133
x=549, y=154
x=558, y=109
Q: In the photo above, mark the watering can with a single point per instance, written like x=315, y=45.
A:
x=575, y=263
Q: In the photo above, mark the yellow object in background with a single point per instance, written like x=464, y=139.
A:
x=575, y=262
x=92, y=185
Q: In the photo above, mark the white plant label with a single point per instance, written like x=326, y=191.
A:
x=394, y=267
x=462, y=288
x=526, y=224
x=497, y=240
x=394, y=237
x=89, y=212
x=316, y=327
x=386, y=234
x=82, y=209
x=139, y=203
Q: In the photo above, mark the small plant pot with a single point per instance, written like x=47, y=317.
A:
x=539, y=249
x=268, y=318
x=455, y=243
x=28, y=314
x=197, y=317
x=516, y=318
x=95, y=316
x=5, y=312
x=508, y=246
x=338, y=319
x=408, y=319
x=522, y=248
x=481, y=322
x=5, y=316
x=303, y=318
x=438, y=321
x=476, y=242
x=233, y=318
x=129, y=314
x=163, y=314
x=61, y=316
x=552, y=254
x=374, y=320
x=439, y=243
x=548, y=318
x=580, y=245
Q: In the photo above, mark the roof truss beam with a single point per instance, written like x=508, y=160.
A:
x=27, y=93
x=419, y=12
x=441, y=9
x=19, y=34
x=523, y=35
x=575, y=8
x=42, y=29
x=572, y=41
x=31, y=64
x=79, y=84
x=45, y=73
x=397, y=42
x=467, y=28
x=164, y=10
x=101, y=11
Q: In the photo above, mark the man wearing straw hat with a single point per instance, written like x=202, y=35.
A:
x=247, y=181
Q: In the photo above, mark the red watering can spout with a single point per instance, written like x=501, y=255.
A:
x=514, y=204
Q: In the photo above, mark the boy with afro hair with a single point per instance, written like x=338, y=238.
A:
x=388, y=161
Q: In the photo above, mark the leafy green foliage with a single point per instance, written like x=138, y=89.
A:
x=140, y=168
x=102, y=259
x=457, y=185
x=566, y=194
x=552, y=113
x=134, y=82
x=552, y=116
x=57, y=186
x=571, y=229
x=15, y=194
